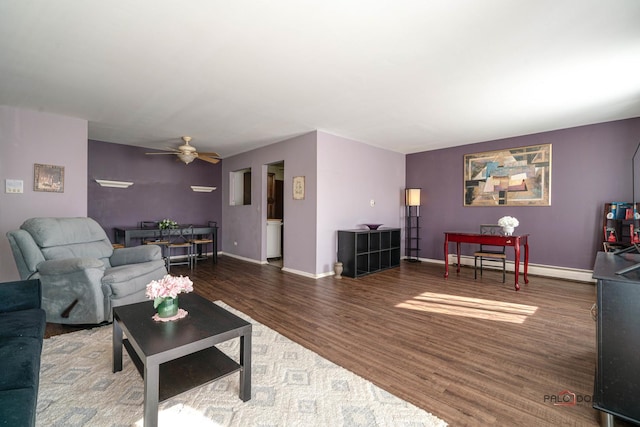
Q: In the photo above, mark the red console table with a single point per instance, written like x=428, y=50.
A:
x=485, y=239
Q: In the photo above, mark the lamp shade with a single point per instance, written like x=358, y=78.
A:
x=412, y=196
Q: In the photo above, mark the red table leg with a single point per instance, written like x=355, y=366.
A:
x=516, y=263
x=458, y=253
x=446, y=256
x=526, y=260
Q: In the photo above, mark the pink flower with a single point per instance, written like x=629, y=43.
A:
x=168, y=287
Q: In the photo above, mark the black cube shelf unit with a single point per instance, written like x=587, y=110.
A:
x=367, y=251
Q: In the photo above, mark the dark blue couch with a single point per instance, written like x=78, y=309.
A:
x=22, y=326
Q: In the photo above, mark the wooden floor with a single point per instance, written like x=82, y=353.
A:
x=471, y=352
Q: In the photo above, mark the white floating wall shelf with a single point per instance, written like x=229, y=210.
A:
x=202, y=189
x=114, y=184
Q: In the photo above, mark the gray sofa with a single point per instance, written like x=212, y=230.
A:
x=22, y=328
x=82, y=276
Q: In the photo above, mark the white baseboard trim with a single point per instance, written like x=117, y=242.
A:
x=305, y=274
x=574, y=274
x=288, y=270
x=254, y=261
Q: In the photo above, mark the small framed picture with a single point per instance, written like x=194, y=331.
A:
x=298, y=188
x=48, y=178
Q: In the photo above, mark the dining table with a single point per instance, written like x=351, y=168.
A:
x=127, y=235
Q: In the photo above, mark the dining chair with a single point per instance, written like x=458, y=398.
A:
x=157, y=238
x=491, y=253
x=200, y=244
x=180, y=247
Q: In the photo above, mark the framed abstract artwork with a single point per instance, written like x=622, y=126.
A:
x=510, y=177
x=48, y=178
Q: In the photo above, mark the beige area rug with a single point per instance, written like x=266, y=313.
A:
x=291, y=386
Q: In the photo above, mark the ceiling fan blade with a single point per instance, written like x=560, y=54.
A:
x=208, y=159
x=159, y=153
x=212, y=154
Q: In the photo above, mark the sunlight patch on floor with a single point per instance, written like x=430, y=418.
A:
x=181, y=415
x=477, y=308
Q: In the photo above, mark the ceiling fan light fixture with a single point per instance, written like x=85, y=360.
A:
x=186, y=157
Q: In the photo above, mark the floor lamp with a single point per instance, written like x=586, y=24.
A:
x=412, y=237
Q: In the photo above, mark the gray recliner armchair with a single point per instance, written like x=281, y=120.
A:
x=82, y=276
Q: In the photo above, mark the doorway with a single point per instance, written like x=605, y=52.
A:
x=275, y=213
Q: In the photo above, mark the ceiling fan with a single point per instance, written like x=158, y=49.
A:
x=187, y=153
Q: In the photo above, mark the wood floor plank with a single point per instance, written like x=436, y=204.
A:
x=472, y=352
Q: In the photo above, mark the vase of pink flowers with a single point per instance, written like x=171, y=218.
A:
x=164, y=293
x=168, y=307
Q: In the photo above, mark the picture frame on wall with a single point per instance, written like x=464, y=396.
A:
x=298, y=188
x=510, y=177
x=49, y=178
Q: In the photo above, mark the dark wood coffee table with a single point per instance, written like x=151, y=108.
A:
x=173, y=357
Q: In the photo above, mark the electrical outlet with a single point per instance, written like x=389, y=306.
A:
x=372, y=202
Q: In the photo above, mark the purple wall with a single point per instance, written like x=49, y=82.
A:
x=161, y=189
x=341, y=177
x=246, y=226
x=28, y=137
x=350, y=175
x=591, y=165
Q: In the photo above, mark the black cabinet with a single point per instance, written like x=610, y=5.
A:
x=617, y=380
x=367, y=251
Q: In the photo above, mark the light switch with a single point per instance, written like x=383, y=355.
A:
x=14, y=186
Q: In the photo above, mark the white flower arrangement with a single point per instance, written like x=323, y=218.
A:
x=167, y=223
x=508, y=221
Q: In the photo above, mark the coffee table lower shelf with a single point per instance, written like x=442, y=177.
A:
x=183, y=374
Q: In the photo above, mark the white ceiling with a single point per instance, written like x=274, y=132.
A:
x=408, y=76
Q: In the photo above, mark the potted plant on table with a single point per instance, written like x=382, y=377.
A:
x=167, y=223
